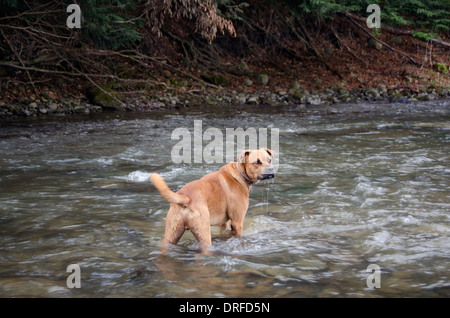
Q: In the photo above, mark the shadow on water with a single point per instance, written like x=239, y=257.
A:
x=356, y=185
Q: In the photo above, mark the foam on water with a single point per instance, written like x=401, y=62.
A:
x=350, y=191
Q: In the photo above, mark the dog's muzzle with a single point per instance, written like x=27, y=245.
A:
x=267, y=174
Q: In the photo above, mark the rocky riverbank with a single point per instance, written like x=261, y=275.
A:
x=46, y=104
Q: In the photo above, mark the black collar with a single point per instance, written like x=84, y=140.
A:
x=249, y=182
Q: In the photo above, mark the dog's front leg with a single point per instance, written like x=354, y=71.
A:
x=237, y=226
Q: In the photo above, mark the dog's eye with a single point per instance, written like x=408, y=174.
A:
x=269, y=161
x=258, y=162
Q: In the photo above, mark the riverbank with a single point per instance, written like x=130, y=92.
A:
x=276, y=57
x=47, y=104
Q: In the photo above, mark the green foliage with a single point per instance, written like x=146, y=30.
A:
x=433, y=15
x=109, y=24
x=324, y=9
x=441, y=68
x=425, y=36
x=229, y=9
x=8, y=3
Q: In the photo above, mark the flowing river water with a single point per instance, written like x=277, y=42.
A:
x=357, y=185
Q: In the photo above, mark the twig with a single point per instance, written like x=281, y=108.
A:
x=20, y=60
x=380, y=41
x=317, y=53
x=348, y=49
x=398, y=31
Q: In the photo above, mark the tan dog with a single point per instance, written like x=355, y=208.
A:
x=216, y=199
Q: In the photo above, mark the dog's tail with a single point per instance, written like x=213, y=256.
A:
x=166, y=193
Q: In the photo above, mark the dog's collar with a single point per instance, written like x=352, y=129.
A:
x=249, y=182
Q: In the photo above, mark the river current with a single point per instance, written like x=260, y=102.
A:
x=361, y=196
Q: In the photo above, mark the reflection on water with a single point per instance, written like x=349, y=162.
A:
x=353, y=189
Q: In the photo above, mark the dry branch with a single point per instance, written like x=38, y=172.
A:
x=382, y=42
x=398, y=31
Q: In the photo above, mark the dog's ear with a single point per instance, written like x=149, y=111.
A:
x=241, y=157
x=270, y=152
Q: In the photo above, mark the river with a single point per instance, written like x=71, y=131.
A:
x=361, y=196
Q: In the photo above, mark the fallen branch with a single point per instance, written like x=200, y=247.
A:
x=398, y=31
x=346, y=46
x=20, y=60
x=380, y=41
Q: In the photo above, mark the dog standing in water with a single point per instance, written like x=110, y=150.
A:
x=218, y=198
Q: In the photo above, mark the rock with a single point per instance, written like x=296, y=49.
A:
x=158, y=105
x=262, y=79
x=408, y=79
x=53, y=107
x=43, y=110
x=373, y=92
x=382, y=89
x=32, y=105
x=105, y=98
x=425, y=97
x=248, y=82
x=375, y=44
x=215, y=79
x=314, y=100
x=253, y=100
x=344, y=95
x=294, y=85
x=48, y=96
x=80, y=109
x=244, y=68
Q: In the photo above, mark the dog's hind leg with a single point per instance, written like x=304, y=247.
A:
x=175, y=227
x=200, y=226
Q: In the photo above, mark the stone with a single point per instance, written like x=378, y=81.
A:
x=375, y=44
x=53, y=107
x=253, y=100
x=425, y=97
x=382, y=89
x=373, y=92
x=32, y=105
x=314, y=100
x=408, y=79
x=262, y=79
x=215, y=79
x=294, y=85
x=248, y=82
x=79, y=109
x=105, y=98
x=244, y=68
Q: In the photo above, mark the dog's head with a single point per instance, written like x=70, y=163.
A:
x=256, y=164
